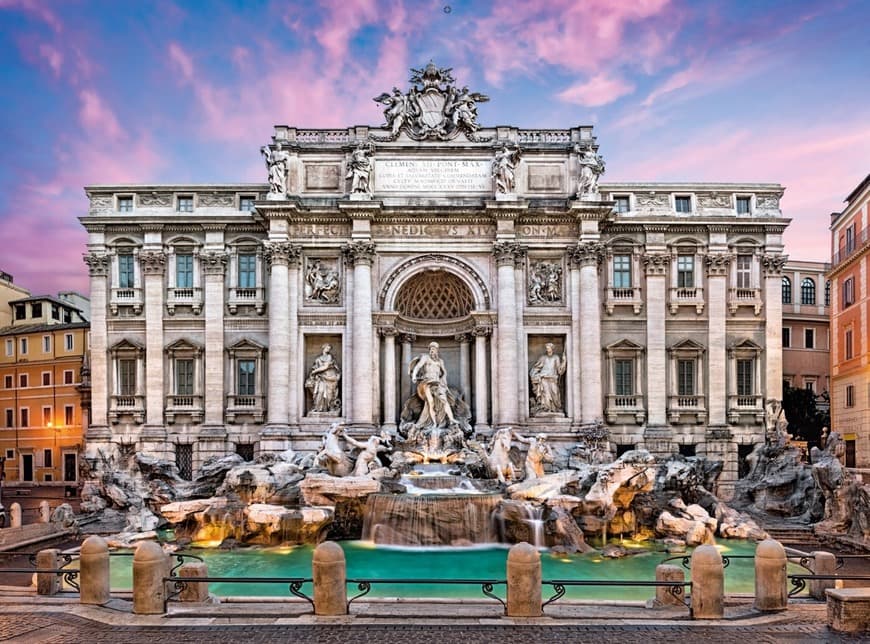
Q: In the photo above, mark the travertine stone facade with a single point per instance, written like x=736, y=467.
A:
x=658, y=295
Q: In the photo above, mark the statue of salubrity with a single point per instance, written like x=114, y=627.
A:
x=545, y=375
x=322, y=382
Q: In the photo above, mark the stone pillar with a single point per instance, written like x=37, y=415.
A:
x=507, y=360
x=15, y=515
x=708, y=583
x=664, y=596
x=717, y=301
x=587, y=255
x=329, y=573
x=407, y=346
x=194, y=591
x=213, y=268
x=44, y=512
x=464, y=366
x=656, y=265
x=362, y=255
x=824, y=563
x=773, y=265
x=150, y=566
x=574, y=371
x=153, y=264
x=279, y=254
x=47, y=583
x=98, y=269
x=389, y=385
x=771, y=581
x=94, y=571
x=524, y=581
x=295, y=395
x=481, y=388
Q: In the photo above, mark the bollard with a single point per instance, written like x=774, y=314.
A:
x=150, y=566
x=94, y=571
x=771, y=581
x=824, y=563
x=664, y=596
x=708, y=583
x=194, y=591
x=15, y=515
x=524, y=581
x=329, y=572
x=44, y=512
x=47, y=583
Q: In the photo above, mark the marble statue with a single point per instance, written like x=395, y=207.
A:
x=538, y=454
x=462, y=108
x=276, y=163
x=498, y=457
x=322, y=382
x=367, y=460
x=360, y=170
x=545, y=283
x=400, y=108
x=545, y=375
x=430, y=375
x=331, y=456
x=321, y=282
x=775, y=423
x=591, y=168
x=504, y=165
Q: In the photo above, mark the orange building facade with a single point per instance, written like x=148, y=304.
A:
x=850, y=316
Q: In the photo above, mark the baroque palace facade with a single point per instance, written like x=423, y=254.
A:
x=249, y=318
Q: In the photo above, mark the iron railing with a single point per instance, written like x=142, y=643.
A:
x=486, y=586
x=674, y=588
x=294, y=584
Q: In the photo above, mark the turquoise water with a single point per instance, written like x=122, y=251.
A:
x=365, y=560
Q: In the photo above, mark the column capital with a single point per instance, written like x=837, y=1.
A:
x=359, y=252
x=407, y=338
x=588, y=253
x=98, y=264
x=717, y=264
x=213, y=263
x=773, y=264
x=462, y=338
x=282, y=253
x=656, y=263
x=153, y=262
x=481, y=331
x=508, y=253
x=388, y=331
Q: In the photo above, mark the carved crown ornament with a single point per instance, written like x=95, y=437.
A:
x=508, y=252
x=281, y=252
x=153, y=262
x=98, y=264
x=586, y=253
x=773, y=264
x=656, y=263
x=718, y=263
x=213, y=263
x=432, y=109
x=359, y=252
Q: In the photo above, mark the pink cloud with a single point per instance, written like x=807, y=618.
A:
x=96, y=117
x=600, y=89
x=181, y=61
x=37, y=9
x=53, y=57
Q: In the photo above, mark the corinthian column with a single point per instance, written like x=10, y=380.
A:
x=362, y=255
x=717, y=274
x=213, y=268
x=509, y=368
x=98, y=270
x=389, y=385
x=587, y=255
x=481, y=390
x=153, y=264
x=772, y=265
x=656, y=265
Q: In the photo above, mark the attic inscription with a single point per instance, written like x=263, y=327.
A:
x=432, y=175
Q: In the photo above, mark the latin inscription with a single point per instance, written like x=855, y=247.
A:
x=432, y=175
x=319, y=230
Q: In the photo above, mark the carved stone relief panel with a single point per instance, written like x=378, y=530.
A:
x=322, y=176
x=155, y=200
x=322, y=280
x=545, y=178
x=211, y=200
x=545, y=285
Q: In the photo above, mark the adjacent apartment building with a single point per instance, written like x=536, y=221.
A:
x=850, y=305
x=806, y=304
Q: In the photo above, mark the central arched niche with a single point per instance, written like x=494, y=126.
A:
x=434, y=295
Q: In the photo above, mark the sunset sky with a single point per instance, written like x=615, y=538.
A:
x=156, y=91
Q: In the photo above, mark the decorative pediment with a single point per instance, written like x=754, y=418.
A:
x=624, y=347
x=246, y=344
x=687, y=346
x=745, y=345
x=183, y=345
x=128, y=346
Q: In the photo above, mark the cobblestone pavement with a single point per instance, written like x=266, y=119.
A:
x=65, y=628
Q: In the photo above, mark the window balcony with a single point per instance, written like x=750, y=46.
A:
x=127, y=406
x=738, y=297
x=741, y=405
x=245, y=405
x=630, y=296
x=686, y=296
x=621, y=406
x=187, y=296
x=189, y=405
x=687, y=409
x=126, y=297
x=253, y=296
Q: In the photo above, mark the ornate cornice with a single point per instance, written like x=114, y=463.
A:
x=213, y=263
x=773, y=264
x=282, y=253
x=98, y=264
x=589, y=253
x=359, y=252
x=153, y=262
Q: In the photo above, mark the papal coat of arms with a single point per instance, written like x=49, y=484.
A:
x=433, y=108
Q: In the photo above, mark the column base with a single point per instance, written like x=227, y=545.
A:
x=152, y=432
x=98, y=433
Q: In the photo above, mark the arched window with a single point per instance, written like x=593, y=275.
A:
x=786, y=290
x=808, y=291
x=828, y=293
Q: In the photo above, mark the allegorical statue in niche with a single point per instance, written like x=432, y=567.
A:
x=322, y=382
x=545, y=283
x=538, y=454
x=591, y=168
x=360, y=169
x=276, y=163
x=546, y=374
x=321, y=282
x=504, y=165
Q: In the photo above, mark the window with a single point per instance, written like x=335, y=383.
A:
x=46, y=417
x=850, y=238
x=744, y=271
x=246, y=203
x=809, y=338
x=46, y=344
x=745, y=378
x=46, y=378
x=10, y=418
x=7, y=382
x=848, y=292
x=246, y=381
x=68, y=377
x=184, y=377
x=68, y=415
x=848, y=345
x=622, y=271
x=23, y=346
x=850, y=395
x=68, y=341
x=808, y=291
x=786, y=337
x=20, y=312
x=786, y=290
x=67, y=316
x=55, y=312
x=36, y=310
x=683, y=204
x=185, y=204
x=10, y=347
x=686, y=271
x=743, y=204
x=10, y=453
x=622, y=204
x=184, y=270
x=46, y=458
x=828, y=293
x=70, y=467
x=623, y=375
x=686, y=377
x=247, y=270
x=126, y=278
x=127, y=377
x=22, y=380
x=810, y=384
x=24, y=412
x=125, y=204
x=184, y=461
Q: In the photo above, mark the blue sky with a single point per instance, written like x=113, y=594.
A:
x=141, y=92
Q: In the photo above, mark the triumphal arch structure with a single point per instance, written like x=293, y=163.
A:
x=250, y=317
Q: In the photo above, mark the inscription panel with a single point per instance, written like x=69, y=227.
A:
x=545, y=178
x=475, y=232
x=322, y=176
x=432, y=175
